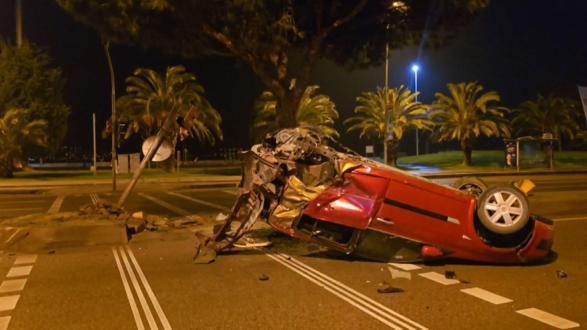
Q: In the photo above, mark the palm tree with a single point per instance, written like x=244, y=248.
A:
x=555, y=115
x=400, y=107
x=150, y=97
x=313, y=110
x=467, y=113
x=15, y=130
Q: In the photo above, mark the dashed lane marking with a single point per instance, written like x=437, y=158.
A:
x=7, y=303
x=406, y=267
x=547, y=318
x=166, y=205
x=19, y=271
x=200, y=201
x=487, y=296
x=12, y=285
x=25, y=259
x=56, y=206
x=439, y=278
x=133, y=271
x=367, y=305
x=4, y=321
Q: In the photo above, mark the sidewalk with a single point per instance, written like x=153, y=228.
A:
x=200, y=181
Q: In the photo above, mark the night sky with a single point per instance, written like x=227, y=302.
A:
x=519, y=48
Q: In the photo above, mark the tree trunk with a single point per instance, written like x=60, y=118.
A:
x=467, y=151
x=6, y=167
x=392, y=149
x=287, y=108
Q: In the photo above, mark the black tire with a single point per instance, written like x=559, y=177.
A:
x=470, y=185
x=503, y=210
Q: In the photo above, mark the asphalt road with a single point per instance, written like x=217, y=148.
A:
x=152, y=283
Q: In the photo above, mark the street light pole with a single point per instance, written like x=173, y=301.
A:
x=114, y=122
x=415, y=69
x=18, y=23
x=94, y=158
x=386, y=111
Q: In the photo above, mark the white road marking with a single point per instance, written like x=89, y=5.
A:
x=378, y=311
x=12, y=285
x=56, y=206
x=94, y=198
x=4, y=321
x=131, y=299
x=25, y=259
x=166, y=205
x=406, y=267
x=7, y=303
x=487, y=296
x=150, y=292
x=138, y=291
x=19, y=271
x=571, y=219
x=547, y=318
x=13, y=235
x=439, y=278
x=200, y=201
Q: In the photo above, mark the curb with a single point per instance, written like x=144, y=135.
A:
x=517, y=173
x=39, y=239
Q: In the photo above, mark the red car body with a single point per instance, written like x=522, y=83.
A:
x=440, y=218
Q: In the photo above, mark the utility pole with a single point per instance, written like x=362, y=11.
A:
x=165, y=131
x=386, y=110
x=18, y=23
x=95, y=168
x=114, y=122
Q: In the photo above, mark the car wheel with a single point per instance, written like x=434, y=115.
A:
x=503, y=209
x=470, y=185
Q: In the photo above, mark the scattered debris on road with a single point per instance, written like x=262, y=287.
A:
x=389, y=289
x=449, y=274
x=396, y=274
x=263, y=277
x=561, y=274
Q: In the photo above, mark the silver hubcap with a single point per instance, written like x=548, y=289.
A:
x=503, y=209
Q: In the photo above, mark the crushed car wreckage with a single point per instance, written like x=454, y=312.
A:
x=309, y=187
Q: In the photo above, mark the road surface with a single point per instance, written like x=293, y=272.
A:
x=151, y=282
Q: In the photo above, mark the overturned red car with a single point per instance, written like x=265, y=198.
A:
x=309, y=187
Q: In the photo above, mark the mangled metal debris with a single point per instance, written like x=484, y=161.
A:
x=308, y=186
x=386, y=288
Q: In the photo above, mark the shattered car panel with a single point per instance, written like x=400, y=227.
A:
x=309, y=187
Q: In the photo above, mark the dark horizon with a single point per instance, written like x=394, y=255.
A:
x=519, y=49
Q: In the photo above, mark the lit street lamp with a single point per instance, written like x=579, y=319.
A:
x=415, y=69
